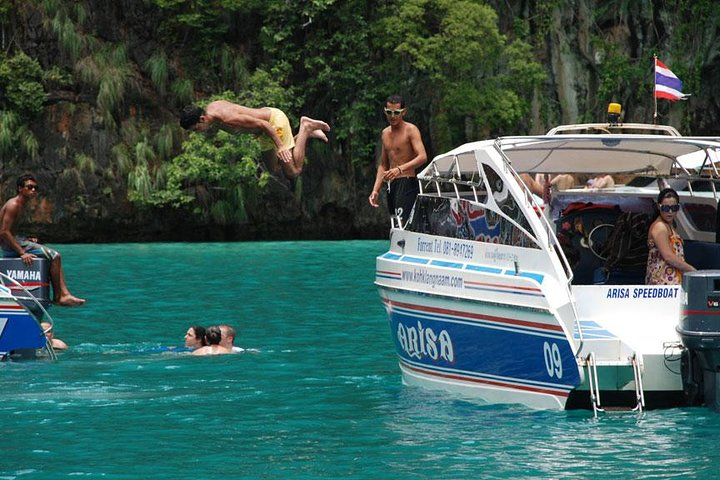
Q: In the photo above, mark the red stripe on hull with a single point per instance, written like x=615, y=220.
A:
x=497, y=285
x=477, y=316
x=558, y=393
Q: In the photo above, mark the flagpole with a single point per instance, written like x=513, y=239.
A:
x=655, y=87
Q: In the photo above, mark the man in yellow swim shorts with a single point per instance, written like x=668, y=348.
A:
x=270, y=123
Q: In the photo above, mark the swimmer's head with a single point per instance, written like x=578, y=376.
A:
x=191, y=116
x=227, y=336
x=213, y=335
x=195, y=337
x=47, y=328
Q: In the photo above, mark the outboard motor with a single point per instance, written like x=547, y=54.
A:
x=34, y=281
x=699, y=330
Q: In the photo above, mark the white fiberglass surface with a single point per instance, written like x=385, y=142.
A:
x=642, y=316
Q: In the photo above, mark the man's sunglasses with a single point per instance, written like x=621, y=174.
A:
x=34, y=188
x=669, y=208
x=394, y=113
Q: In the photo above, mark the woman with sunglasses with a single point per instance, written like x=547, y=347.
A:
x=666, y=261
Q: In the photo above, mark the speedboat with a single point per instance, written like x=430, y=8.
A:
x=498, y=295
x=24, y=299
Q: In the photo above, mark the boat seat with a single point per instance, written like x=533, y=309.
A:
x=574, y=229
x=616, y=276
x=702, y=255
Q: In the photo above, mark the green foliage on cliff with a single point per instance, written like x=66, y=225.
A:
x=447, y=58
x=21, y=83
x=331, y=59
x=468, y=70
x=22, y=95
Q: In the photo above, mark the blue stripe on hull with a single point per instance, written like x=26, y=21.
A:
x=512, y=351
x=20, y=330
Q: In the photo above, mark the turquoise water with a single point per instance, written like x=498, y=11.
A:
x=320, y=398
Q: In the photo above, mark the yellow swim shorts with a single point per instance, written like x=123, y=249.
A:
x=280, y=122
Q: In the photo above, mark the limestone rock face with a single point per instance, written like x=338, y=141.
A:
x=84, y=190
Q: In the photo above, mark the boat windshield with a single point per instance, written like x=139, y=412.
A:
x=471, y=201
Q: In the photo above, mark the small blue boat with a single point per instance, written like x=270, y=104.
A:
x=24, y=300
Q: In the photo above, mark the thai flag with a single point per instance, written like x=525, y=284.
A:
x=667, y=84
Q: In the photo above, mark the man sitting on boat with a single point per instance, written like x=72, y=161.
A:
x=28, y=248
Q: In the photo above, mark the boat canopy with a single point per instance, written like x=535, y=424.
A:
x=590, y=154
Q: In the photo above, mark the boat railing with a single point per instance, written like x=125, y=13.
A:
x=608, y=128
x=473, y=180
x=477, y=188
x=455, y=179
x=29, y=297
x=553, y=243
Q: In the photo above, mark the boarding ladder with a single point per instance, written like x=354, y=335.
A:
x=594, y=387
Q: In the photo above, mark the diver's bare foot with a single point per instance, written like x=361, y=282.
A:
x=318, y=134
x=69, y=301
x=311, y=124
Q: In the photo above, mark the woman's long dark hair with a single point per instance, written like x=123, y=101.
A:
x=213, y=335
x=200, y=334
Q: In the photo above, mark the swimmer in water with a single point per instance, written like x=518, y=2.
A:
x=213, y=335
x=56, y=343
x=228, y=338
x=195, y=337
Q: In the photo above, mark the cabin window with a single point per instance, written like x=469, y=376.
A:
x=504, y=199
x=702, y=217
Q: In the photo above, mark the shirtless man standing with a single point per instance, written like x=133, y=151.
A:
x=270, y=124
x=402, y=152
x=28, y=248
